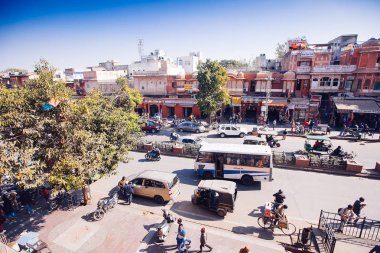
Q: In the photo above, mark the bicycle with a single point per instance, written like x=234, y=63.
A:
x=268, y=223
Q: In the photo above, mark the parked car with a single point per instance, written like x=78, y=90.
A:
x=150, y=126
x=158, y=185
x=191, y=140
x=191, y=127
x=216, y=195
x=232, y=130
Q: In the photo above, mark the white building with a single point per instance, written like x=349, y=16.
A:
x=190, y=62
x=103, y=80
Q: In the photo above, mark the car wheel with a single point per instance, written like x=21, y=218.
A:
x=207, y=175
x=153, y=131
x=160, y=200
x=197, y=131
x=241, y=135
x=221, y=212
x=247, y=180
x=278, y=144
x=222, y=135
x=181, y=130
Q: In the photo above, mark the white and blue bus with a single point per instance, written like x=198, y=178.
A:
x=247, y=163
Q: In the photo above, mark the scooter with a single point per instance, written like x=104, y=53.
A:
x=152, y=157
x=104, y=206
x=163, y=228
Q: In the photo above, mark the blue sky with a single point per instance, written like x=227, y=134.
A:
x=75, y=33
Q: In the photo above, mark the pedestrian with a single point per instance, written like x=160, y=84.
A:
x=8, y=207
x=45, y=194
x=274, y=123
x=121, y=185
x=179, y=237
x=128, y=189
x=13, y=199
x=357, y=207
x=346, y=214
x=245, y=250
x=182, y=236
x=311, y=125
x=284, y=134
x=2, y=219
x=343, y=130
x=293, y=127
x=204, y=241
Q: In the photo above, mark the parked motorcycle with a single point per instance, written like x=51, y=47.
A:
x=104, y=206
x=163, y=228
x=152, y=156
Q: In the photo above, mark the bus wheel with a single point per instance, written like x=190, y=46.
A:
x=247, y=180
x=207, y=175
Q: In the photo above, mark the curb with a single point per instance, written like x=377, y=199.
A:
x=308, y=169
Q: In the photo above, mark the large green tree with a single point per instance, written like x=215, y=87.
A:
x=48, y=137
x=212, y=78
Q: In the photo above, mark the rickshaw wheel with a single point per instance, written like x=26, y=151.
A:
x=264, y=222
x=221, y=212
x=290, y=230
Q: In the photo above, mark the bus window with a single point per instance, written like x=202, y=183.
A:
x=233, y=159
x=247, y=160
x=204, y=157
x=262, y=161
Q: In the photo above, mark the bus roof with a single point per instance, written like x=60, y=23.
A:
x=236, y=149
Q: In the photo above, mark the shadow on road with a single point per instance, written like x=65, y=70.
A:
x=196, y=212
x=262, y=233
x=258, y=212
x=187, y=176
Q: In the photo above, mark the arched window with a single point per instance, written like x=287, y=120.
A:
x=335, y=82
x=360, y=84
x=325, y=81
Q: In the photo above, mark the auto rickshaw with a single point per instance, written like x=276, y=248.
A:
x=318, y=144
x=216, y=195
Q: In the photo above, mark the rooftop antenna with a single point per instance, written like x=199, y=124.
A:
x=141, y=47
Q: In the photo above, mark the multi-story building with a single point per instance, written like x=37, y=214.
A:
x=190, y=62
x=340, y=42
x=17, y=79
x=101, y=79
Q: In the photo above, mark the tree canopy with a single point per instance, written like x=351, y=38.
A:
x=281, y=50
x=48, y=137
x=12, y=70
x=232, y=64
x=212, y=78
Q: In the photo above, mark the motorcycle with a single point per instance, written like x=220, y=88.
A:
x=274, y=143
x=163, y=228
x=152, y=156
x=104, y=206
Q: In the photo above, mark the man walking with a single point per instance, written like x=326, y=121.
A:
x=204, y=241
x=346, y=214
x=358, y=206
x=129, y=192
x=274, y=123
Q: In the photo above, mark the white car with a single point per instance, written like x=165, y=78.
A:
x=232, y=130
x=191, y=140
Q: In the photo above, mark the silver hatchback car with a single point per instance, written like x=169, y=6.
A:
x=188, y=126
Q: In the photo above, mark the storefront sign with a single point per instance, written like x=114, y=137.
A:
x=307, y=53
x=334, y=69
x=188, y=87
x=303, y=69
x=236, y=101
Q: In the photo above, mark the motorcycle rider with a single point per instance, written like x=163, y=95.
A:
x=270, y=140
x=337, y=152
x=174, y=136
x=279, y=199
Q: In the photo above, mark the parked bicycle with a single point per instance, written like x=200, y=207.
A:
x=104, y=206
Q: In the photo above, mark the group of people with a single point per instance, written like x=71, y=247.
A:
x=235, y=118
x=350, y=214
x=183, y=242
x=126, y=189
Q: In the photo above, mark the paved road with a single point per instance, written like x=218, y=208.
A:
x=366, y=151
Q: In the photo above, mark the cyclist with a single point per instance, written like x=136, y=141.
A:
x=279, y=199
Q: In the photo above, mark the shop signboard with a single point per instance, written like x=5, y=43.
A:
x=236, y=101
x=188, y=87
x=334, y=69
x=307, y=53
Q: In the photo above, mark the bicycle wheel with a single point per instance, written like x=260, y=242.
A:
x=98, y=214
x=290, y=230
x=264, y=222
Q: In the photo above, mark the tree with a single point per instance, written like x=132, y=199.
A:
x=48, y=137
x=232, y=64
x=281, y=50
x=212, y=78
x=12, y=70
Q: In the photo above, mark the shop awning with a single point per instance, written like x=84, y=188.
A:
x=357, y=106
x=277, y=102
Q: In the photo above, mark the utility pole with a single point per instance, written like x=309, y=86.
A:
x=268, y=88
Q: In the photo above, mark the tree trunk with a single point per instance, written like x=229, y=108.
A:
x=86, y=195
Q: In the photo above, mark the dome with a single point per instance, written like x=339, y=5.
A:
x=263, y=75
x=289, y=75
x=240, y=74
x=372, y=42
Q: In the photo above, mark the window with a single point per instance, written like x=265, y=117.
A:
x=335, y=82
x=367, y=83
x=252, y=86
x=233, y=159
x=205, y=158
x=348, y=84
x=148, y=183
x=158, y=184
x=376, y=86
x=378, y=60
x=325, y=81
x=228, y=128
x=174, y=85
x=137, y=181
x=360, y=84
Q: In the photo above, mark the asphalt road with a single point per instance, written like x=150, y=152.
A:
x=367, y=153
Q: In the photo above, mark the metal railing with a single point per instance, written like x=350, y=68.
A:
x=327, y=232
x=361, y=228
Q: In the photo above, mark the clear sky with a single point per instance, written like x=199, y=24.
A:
x=81, y=33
